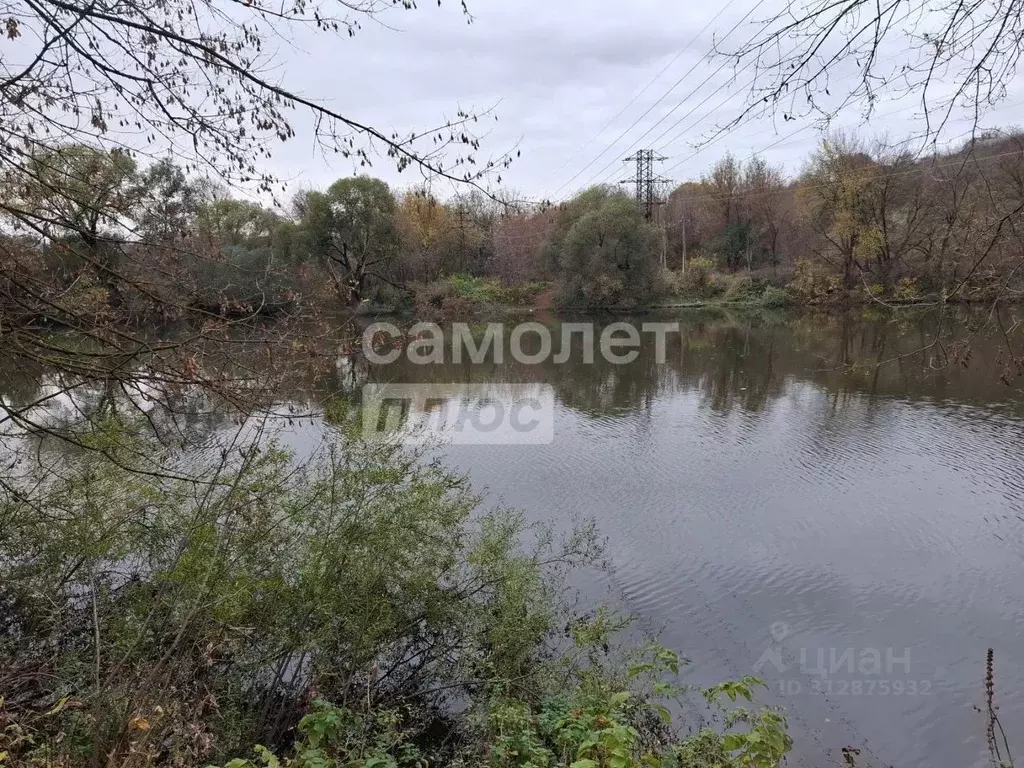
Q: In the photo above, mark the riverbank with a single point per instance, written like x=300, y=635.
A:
x=463, y=296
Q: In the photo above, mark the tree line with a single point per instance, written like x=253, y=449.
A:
x=868, y=218
x=106, y=231
x=859, y=221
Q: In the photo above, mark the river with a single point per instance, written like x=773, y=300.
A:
x=809, y=499
x=834, y=503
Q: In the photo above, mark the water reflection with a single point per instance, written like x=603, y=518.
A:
x=836, y=476
x=840, y=477
x=745, y=360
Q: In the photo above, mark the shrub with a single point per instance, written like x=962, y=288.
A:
x=458, y=306
x=591, y=714
x=521, y=295
x=775, y=298
x=479, y=289
x=429, y=297
x=744, y=289
x=699, y=280
x=242, y=279
x=814, y=285
x=321, y=614
x=392, y=297
x=181, y=622
x=906, y=289
x=464, y=294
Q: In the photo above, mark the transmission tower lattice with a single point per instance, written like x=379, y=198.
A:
x=646, y=182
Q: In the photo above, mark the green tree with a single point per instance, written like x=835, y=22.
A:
x=229, y=221
x=78, y=191
x=736, y=243
x=169, y=202
x=602, y=251
x=352, y=228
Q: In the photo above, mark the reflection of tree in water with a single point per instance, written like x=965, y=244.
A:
x=908, y=354
x=48, y=414
x=604, y=388
x=730, y=359
x=744, y=360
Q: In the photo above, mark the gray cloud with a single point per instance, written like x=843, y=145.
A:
x=558, y=70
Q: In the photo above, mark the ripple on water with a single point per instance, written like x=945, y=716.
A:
x=815, y=524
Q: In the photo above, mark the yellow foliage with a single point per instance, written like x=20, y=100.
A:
x=429, y=221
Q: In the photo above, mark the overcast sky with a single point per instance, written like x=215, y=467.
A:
x=557, y=72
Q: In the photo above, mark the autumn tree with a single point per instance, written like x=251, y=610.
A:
x=427, y=234
x=682, y=214
x=517, y=241
x=723, y=202
x=837, y=190
x=767, y=207
x=724, y=183
x=353, y=228
x=602, y=252
x=475, y=217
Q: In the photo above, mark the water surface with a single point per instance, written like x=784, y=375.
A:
x=785, y=496
x=788, y=497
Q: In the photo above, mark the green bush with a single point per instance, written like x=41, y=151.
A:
x=813, y=284
x=744, y=289
x=699, y=280
x=485, y=290
x=461, y=295
x=479, y=289
x=588, y=713
x=775, y=298
x=602, y=252
x=906, y=289
x=226, y=601
x=521, y=295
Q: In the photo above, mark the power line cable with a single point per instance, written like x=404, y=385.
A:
x=642, y=91
x=800, y=130
x=682, y=101
x=655, y=104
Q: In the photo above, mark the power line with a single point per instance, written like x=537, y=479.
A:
x=715, y=109
x=731, y=96
x=722, y=134
x=794, y=133
x=642, y=91
x=651, y=108
x=708, y=114
x=670, y=112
